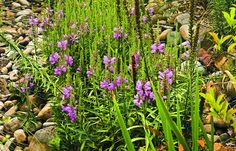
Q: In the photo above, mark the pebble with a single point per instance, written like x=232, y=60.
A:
x=4, y=70
x=24, y=12
x=47, y=124
x=224, y=137
x=8, y=104
x=183, y=19
x=18, y=148
x=1, y=105
x=1, y=129
x=164, y=34
x=20, y=136
x=24, y=2
x=13, y=75
x=13, y=124
x=9, y=65
x=11, y=111
x=9, y=142
x=184, y=32
x=15, y=5
x=46, y=112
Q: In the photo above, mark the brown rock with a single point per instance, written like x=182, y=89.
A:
x=13, y=124
x=11, y=111
x=46, y=112
x=19, y=135
x=36, y=146
x=8, y=104
x=18, y=148
x=8, y=30
x=164, y=34
x=184, y=32
x=32, y=99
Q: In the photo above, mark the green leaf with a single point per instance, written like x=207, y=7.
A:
x=121, y=122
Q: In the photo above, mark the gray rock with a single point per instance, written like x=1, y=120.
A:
x=44, y=135
x=216, y=137
x=24, y=2
x=24, y=12
x=19, y=18
x=224, y=137
x=15, y=5
x=35, y=127
x=183, y=19
x=174, y=37
x=47, y=124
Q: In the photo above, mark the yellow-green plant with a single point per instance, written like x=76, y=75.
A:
x=219, y=107
x=230, y=17
x=219, y=41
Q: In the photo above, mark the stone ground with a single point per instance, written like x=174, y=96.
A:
x=20, y=134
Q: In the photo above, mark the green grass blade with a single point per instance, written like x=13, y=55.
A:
x=161, y=106
x=121, y=122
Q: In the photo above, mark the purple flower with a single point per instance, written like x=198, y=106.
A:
x=71, y=111
x=117, y=33
x=62, y=44
x=23, y=89
x=31, y=85
x=118, y=80
x=111, y=86
x=144, y=92
x=53, y=58
x=33, y=21
x=159, y=47
x=57, y=71
x=63, y=68
x=69, y=60
x=66, y=91
x=144, y=18
x=137, y=101
x=59, y=14
x=104, y=84
x=166, y=74
x=146, y=35
x=108, y=61
x=186, y=43
x=151, y=11
x=78, y=70
x=154, y=48
x=125, y=35
x=89, y=72
x=132, y=11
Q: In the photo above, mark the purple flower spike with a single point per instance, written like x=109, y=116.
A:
x=78, y=70
x=57, y=71
x=53, y=58
x=151, y=11
x=144, y=18
x=62, y=44
x=69, y=60
x=66, y=91
x=111, y=86
x=104, y=84
x=71, y=111
x=33, y=21
x=160, y=47
x=63, y=68
x=118, y=80
x=23, y=89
